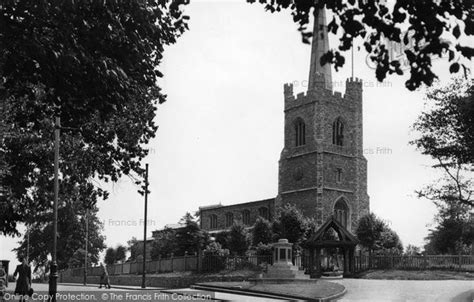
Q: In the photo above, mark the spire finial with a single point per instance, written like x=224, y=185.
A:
x=320, y=46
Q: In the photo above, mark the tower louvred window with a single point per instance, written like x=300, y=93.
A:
x=338, y=132
x=300, y=133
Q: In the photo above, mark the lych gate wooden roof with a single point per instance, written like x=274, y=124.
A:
x=345, y=237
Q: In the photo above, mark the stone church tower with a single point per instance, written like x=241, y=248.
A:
x=322, y=168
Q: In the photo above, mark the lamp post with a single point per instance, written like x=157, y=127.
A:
x=144, y=227
x=53, y=271
x=87, y=242
x=27, y=244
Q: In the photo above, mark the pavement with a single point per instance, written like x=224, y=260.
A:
x=121, y=287
x=406, y=290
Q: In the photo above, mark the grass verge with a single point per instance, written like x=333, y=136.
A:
x=416, y=275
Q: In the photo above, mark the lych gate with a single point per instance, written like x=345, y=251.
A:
x=332, y=249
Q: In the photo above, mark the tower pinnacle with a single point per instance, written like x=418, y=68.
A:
x=320, y=45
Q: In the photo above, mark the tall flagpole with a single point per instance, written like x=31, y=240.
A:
x=352, y=58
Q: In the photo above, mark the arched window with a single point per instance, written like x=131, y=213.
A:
x=229, y=219
x=300, y=133
x=338, y=132
x=341, y=212
x=246, y=217
x=263, y=212
x=213, y=221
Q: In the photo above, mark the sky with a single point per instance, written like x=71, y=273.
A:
x=221, y=130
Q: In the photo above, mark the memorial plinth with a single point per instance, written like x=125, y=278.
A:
x=283, y=267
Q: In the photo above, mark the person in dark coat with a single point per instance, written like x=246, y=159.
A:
x=3, y=281
x=23, y=283
x=104, y=278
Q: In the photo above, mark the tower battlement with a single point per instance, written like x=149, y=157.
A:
x=288, y=90
x=352, y=96
x=354, y=80
x=354, y=90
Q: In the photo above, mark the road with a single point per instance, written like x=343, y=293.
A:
x=359, y=290
x=71, y=292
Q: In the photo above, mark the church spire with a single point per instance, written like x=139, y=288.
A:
x=320, y=46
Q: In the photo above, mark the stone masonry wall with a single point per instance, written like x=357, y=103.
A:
x=236, y=210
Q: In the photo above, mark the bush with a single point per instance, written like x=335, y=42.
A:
x=215, y=249
x=215, y=257
x=264, y=254
x=262, y=232
x=223, y=239
x=264, y=249
x=238, y=240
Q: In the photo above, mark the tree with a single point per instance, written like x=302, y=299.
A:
x=78, y=259
x=390, y=241
x=262, y=232
x=374, y=234
x=94, y=64
x=120, y=253
x=412, y=250
x=239, y=241
x=164, y=244
x=135, y=247
x=447, y=135
x=110, y=255
x=454, y=231
x=190, y=238
x=428, y=23
x=71, y=234
x=290, y=224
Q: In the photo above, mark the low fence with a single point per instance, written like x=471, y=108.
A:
x=165, y=265
x=427, y=262
x=210, y=263
x=206, y=264
x=233, y=263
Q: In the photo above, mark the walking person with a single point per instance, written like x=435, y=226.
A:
x=23, y=283
x=3, y=282
x=104, y=278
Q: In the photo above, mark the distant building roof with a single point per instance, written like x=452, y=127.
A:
x=213, y=206
x=173, y=226
x=236, y=205
x=140, y=241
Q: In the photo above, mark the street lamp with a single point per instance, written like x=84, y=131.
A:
x=53, y=271
x=27, y=244
x=144, y=227
x=87, y=242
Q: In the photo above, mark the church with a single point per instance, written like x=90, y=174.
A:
x=322, y=168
